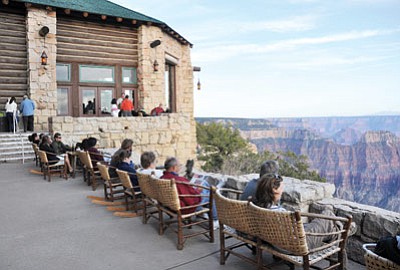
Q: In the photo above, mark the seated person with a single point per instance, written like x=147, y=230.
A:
x=389, y=248
x=122, y=162
x=52, y=157
x=172, y=166
x=58, y=146
x=34, y=138
x=268, y=195
x=157, y=110
x=270, y=166
x=148, y=163
x=95, y=155
x=125, y=145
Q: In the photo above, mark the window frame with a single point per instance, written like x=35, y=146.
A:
x=80, y=66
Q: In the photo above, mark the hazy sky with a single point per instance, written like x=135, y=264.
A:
x=288, y=58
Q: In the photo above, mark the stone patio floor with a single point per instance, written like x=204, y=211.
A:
x=55, y=226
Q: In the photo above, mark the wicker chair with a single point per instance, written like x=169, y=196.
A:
x=169, y=203
x=235, y=222
x=130, y=190
x=91, y=174
x=36, y=151
x=112, y=186
x=282, y=234
x=51, y=168
x=150, y=204
x=376, y=262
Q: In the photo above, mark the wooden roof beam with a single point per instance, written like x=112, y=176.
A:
x=104, y=17
x=119, y=19
x=28, y=5
x=85, y=14
x=5, y=2
x=134, y=22
x=67, y=11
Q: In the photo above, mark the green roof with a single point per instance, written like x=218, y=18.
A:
x=101, y=7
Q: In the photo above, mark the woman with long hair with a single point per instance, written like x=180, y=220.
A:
x=11, y=114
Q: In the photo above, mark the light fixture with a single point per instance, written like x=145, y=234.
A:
x=155, y=66
x=43, y=58
x=198, y=85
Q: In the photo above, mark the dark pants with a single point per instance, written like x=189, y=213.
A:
x=28, y=122
x=10, y=121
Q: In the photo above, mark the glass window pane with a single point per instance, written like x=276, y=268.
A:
x=63, y=72
x=105, y=99
x=96, y=74
x=89, y=101
x=129, y=75
x=62, y=101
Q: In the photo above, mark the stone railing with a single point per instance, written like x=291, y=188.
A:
x=167, y=135
x=310, y=196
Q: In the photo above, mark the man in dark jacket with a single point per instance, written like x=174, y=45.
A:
x=58, y=146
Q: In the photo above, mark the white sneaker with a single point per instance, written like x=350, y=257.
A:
x=216, y=224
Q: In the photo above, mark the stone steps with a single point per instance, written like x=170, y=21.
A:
x=15, y=147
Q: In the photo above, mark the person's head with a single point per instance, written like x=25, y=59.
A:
x=33, y=137
x=91, y=142
x=123, y=95
x=270, y=166
x=147, y=160
x=25, y=97
x=171, y=164
x=57, y=137
x=160, y=105
x=127, y=144
x=46, y=139
x=120, y=156
x=127, y=96
x=114, y=101
x=269, y=190
x=12, y=99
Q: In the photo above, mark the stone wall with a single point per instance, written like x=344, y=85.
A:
x=166, y=135
x=42, y=86
x=310, y=196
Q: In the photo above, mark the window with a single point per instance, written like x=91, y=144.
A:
x=63, y=72
x=63, y=101
x=170, y=87
x=101, y=74
x=129, y=75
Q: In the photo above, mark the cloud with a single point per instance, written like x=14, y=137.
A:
x=224, y=51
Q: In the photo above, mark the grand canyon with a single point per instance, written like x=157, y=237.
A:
x=360, y=155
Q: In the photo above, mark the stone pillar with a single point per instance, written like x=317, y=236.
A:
x=42, y=79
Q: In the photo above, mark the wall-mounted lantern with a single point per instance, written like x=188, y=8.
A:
x=43, y=33
x=155, y=65
x=43, y=58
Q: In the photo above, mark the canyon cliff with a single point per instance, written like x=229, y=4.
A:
x=360, y=159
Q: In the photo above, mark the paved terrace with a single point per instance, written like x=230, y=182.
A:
x=55, y=226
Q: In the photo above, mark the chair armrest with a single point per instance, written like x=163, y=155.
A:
x=334, y=218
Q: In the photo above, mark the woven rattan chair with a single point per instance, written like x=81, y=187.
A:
x=376, y=262
x=235, y=222
x=36, y=151
x=49, y=169
x=169, y=203
x=282, y=234
x=112, y=186
x=150, y=204
x=91, y=174
x=131, y=191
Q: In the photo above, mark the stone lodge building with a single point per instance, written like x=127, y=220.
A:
x=97, y=50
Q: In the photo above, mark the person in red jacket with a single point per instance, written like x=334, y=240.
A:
x=127, y=107
x=171, y=166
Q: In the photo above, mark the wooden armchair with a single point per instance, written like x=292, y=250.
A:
x=169, y=203
x=282, y=234
x=376, y=262
x=51, y=168
x=150, y=204
x=91, y=174
x=112, y=186
x=131, y=191
x=235, y=222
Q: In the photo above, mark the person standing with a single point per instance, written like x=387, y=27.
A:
x=27, y=110
x=11, y=114
x=127, y=107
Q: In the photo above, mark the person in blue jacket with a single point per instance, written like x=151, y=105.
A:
x=123, y=163
x=27, y=109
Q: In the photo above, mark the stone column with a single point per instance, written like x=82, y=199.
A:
x=42, y=86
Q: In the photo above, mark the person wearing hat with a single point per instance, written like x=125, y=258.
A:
x=27, y=109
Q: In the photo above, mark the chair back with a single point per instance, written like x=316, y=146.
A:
x=43, y=156
x=125, y=179
x=376, y=262
x=35, y=148
x=145, y=181
x=103, y=172
x=234, y=213
x=282, y=229
x=167, y=193
x=86, y=160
